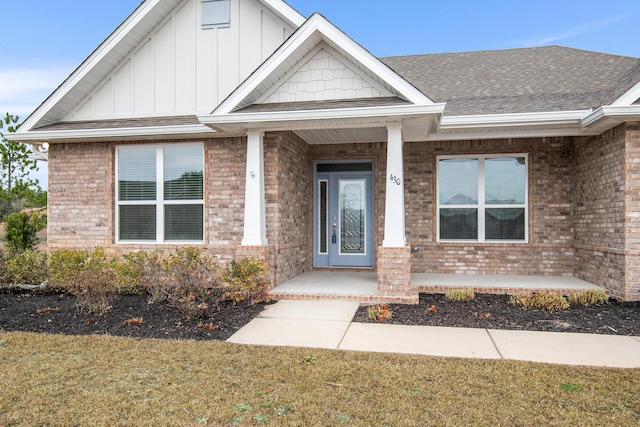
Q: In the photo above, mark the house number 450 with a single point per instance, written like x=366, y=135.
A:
x=395, y=179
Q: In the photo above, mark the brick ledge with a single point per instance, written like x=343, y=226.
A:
x=408, y=298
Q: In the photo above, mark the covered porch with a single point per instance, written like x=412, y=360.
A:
x=363, y=286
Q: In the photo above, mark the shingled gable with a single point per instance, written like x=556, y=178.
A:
x=318, y=74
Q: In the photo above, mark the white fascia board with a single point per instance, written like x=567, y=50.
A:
x=621, y=113
x=515, y=132
x=338, y=39
x=397, y=112
x=514, y=119
x=114, y=133
x=287, y=12
x=629, y=97
x=88, y=64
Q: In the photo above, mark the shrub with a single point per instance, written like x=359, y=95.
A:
x=21, y=229
x=91, y=277
x=540, y=301
x=466, y=294
x=245, y=279
x=190, y=278
x=4, y=259
x=65, y=266
x=588, y=297
x=148, y=273
x=152, y=278
x=379, y=313
x=27, y=267
x=192, y=268
x=131, y=271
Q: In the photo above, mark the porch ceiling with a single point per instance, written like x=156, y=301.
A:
x=343, y=135
x=335, y=125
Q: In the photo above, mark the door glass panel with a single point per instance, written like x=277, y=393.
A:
x=323, y=215
x=351, y=194
x=345, y=167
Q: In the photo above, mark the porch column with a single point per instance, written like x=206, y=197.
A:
x=394, y=236
x=394, y=257
x=255, y=232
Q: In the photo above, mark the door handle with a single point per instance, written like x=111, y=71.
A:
x=334, y=238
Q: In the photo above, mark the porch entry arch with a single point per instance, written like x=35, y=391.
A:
x=343, y=214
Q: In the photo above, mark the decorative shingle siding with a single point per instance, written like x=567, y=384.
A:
x=549, y=250
x=325, y=77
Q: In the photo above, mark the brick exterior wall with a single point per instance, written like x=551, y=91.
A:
x=632, y=212
x=81, y=183
x=599, y=209
x=289, y=198
x=583, y=205
x=549, y=250
x=82, y=198
x=607, y=210
x=394, y=274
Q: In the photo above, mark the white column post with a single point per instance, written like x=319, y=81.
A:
x=255, y=231
x=394, y=236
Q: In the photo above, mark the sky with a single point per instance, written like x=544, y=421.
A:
x=43, y=41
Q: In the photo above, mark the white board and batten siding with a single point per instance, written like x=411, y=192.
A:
x=181, y=68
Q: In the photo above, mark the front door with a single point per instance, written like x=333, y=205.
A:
x=343, y=223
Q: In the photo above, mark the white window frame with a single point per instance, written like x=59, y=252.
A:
x=219, y=24
x=482, y=206
x=159, y=202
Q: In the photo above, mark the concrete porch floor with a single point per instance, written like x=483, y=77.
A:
x=363, y=286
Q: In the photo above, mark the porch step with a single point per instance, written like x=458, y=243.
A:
x=498, y=284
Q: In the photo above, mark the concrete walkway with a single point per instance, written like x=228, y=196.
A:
x=327, y=324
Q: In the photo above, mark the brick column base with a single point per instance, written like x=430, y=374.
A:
x=394, y=273
x=265, y=252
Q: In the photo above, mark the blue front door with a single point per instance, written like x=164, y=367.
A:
x=344, y=216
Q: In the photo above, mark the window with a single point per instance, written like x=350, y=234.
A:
x=482, y=198
x=215, y=13
x=170, y=212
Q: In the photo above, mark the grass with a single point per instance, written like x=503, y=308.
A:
x=111, y=381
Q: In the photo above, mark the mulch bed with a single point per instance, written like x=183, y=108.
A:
x=495, y=312
x=28, y=311
x=19, y=312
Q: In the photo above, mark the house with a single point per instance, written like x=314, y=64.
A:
x=242, y=127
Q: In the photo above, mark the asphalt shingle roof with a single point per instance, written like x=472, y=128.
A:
x=551, y=78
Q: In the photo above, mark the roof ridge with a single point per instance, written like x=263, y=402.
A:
x=548, y=47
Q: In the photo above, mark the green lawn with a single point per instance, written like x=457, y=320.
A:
x=99, y=380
